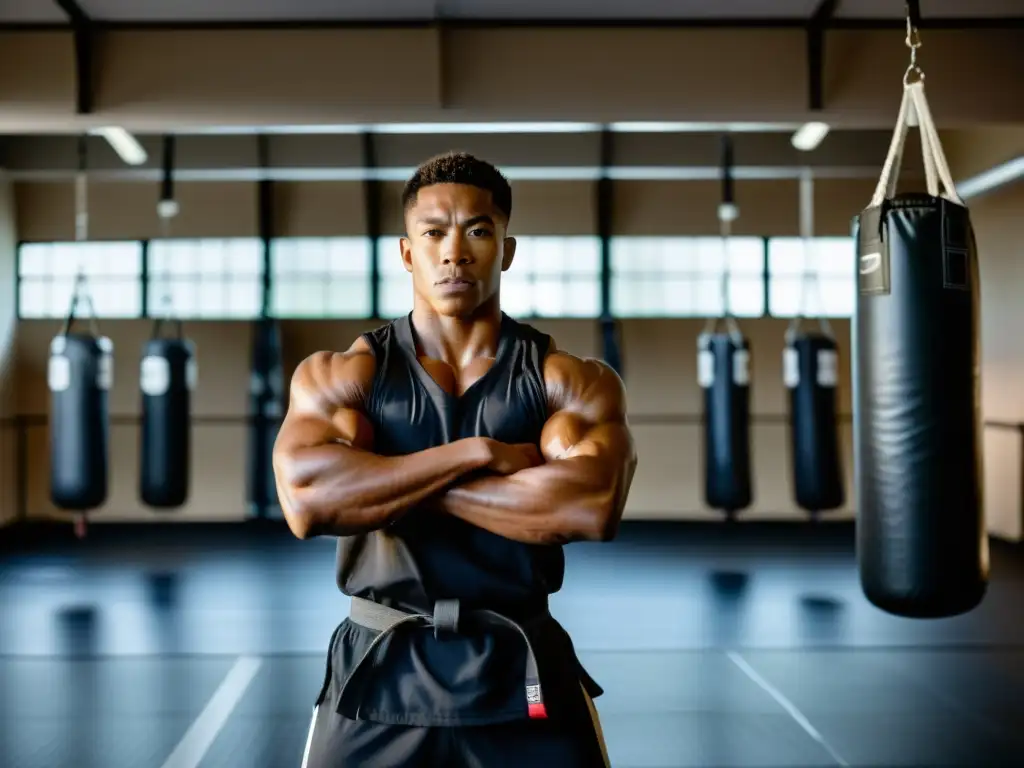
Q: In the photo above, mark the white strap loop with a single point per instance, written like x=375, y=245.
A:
x=915, y=105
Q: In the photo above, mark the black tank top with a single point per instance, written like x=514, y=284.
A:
x=427, y=556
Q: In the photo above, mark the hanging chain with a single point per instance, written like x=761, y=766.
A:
x=725, y=231
x=166, y=210
x=913, y=42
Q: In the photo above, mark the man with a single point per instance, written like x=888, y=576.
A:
x=453, y=452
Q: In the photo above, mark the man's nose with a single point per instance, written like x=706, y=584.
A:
x=455, y=252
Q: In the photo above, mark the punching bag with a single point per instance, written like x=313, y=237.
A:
x=167, y=379
x=267, y=399
x=723, y=371
x=921, y=537
x=79, y=376
x=810, y=372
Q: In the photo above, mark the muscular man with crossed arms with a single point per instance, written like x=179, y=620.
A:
x=453, y=452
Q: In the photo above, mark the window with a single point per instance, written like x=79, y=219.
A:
x=112, y=271
x=205, y=279
x=829, y=266
x=686, y=276
x=395, y=287
x=554, y=276
x=320, y=277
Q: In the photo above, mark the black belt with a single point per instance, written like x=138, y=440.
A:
x=385, y=620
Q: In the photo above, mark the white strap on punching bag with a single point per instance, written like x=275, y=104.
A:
x=914, y=109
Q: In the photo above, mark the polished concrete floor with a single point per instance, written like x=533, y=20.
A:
x=748, y=645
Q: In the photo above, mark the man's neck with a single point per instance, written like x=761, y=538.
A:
x=457, y=340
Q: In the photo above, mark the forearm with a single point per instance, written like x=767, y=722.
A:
x=564, y=500
x=335, y=489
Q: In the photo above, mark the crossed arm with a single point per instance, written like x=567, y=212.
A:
x=330, y=482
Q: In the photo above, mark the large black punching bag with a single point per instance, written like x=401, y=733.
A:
x=723, y=371
x=167, y=379
x=810, y=373
x=267, y=399
x=79, y=375
x=921, y=538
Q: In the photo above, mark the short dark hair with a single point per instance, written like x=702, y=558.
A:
x=460, y=168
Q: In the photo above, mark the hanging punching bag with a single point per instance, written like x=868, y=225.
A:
x=921, y=537
x=79, y=375
x=723, y=371
x=810, y=370
x=167, y=379
x=810, y=366
x=267, y=397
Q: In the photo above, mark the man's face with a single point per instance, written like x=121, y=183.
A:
x=456, y=248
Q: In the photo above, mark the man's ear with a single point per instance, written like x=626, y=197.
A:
x=406, y=247
x=509, y=253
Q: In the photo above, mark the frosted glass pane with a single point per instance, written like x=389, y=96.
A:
x=34, y=259
x=548, y=254
x=746, y=297
x=245, y=298
x=785, y=256
x=634, y=297
x=115, y=298
x=348, y=298
x=212, y=298
x=389, y=256
x=213, y=259
x=311, y=255
x=60, y=290
x=746, y=255
x=299, y=296
x=837, y=256
x=395, y=296
x=517, y=296
x=583, y=297
x=584, y=256
x=549, y=297
x=34, y=299
x=784, y=296
x=838, y=296
x=349, y=255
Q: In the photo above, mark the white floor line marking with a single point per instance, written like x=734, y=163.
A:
x=786, y=704
x=201, y=734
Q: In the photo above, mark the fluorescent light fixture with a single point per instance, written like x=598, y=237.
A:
x=484, y=127
x=670, y=127
x=809, y=135
x=122, y=142
x=994, y=177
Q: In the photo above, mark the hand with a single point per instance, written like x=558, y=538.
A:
x=508, y=459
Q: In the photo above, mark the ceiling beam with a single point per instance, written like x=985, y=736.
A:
x=816, y=28
x=836, y=23
x=85, y=38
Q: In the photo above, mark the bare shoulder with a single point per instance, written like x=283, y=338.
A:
x=326, y=381
x=585, y=385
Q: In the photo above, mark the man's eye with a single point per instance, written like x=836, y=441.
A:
x=480, y=232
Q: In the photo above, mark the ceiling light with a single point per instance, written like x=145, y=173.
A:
x=809, y=135
x=994, y=177
x=122, y=142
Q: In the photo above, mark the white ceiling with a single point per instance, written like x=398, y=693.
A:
x=183, y=11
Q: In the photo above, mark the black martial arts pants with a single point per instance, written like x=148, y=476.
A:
x=337, y=742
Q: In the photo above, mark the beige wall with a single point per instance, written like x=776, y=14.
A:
x=479, y=73
x=8, y=244
x=998, y=222
x=659, y=354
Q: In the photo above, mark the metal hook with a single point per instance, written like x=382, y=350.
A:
x=913, y=42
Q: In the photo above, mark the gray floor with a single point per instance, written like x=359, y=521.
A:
x=749, y=646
